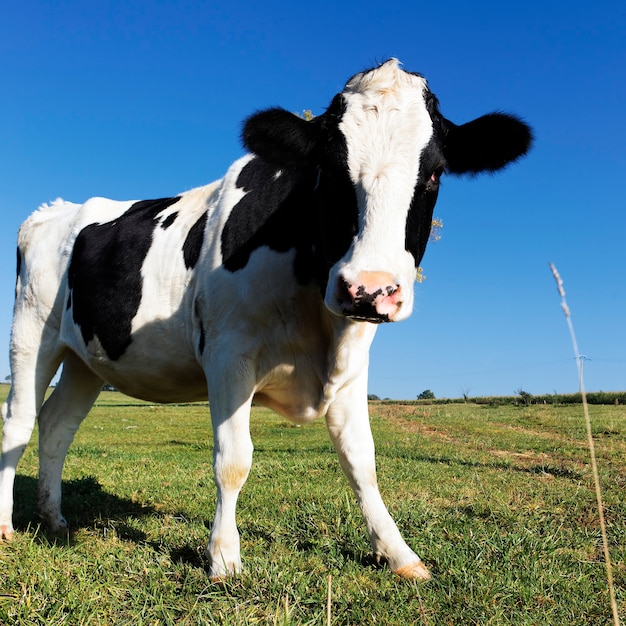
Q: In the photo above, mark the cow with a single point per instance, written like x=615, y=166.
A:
x=267, y=285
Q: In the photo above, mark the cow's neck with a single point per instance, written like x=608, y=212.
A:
x=348, y=355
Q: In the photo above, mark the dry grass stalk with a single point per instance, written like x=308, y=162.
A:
x=592, y=451
x=328, y=600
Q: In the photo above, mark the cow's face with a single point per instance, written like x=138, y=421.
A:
x=379, y=151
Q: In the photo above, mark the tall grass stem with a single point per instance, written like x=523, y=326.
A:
x=592, y=450
x=329, y=600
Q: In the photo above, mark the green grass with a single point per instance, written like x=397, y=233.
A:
x=498, y=501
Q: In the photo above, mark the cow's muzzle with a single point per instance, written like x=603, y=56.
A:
x=374, y=297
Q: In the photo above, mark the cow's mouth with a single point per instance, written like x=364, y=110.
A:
x=365, y=312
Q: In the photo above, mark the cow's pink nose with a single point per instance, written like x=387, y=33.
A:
x=374, y=297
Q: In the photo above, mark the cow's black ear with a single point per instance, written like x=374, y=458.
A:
x=486, y=144
x=280, y=137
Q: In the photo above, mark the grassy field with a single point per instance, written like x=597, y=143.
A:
x=498, y=501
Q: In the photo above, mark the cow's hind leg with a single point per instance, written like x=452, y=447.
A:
x=32, y=371
x=232, y=460
x=59, y=419
x=349, y=428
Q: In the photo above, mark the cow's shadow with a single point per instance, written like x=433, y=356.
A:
x=87, y=505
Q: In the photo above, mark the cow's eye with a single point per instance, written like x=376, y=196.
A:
x=436, y=175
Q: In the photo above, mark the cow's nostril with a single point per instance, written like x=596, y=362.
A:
x=392, y=289
x=343, y=293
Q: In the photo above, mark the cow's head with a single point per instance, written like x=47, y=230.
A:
x=379, y=151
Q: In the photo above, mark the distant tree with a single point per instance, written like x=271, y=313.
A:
x=8, y=378
x=525, y=397
x=426, y=395
x=466, y=394
x=372, y=396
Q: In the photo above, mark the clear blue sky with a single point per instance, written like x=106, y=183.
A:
x=145, y=99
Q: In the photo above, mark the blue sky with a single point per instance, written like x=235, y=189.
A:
x=133, y=100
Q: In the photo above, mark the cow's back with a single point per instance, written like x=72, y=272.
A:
x=113, y=279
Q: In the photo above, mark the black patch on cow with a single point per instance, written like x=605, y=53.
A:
x=169, y=220
x=275, y=212
x=18, y=269
x=336, y=199
x=420, y=216
x=198, y=317
x=202, y=340
x=298, y=193
x=104, y=275
x=193, y=242
x=19, y=263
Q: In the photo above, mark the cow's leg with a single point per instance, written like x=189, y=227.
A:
x=231, y=398
x=59, y=419
x=349, y=428
x=34, y=361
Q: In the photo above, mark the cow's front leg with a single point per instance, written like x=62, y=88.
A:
x=232, y=459
x=349, y=428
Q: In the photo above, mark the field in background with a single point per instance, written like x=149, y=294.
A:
x=498, y=500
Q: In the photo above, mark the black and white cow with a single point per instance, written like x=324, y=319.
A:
x=266, y=285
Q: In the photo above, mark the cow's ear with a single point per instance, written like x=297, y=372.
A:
x=280, y=137
x=486, y=144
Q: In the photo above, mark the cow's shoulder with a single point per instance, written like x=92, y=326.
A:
x=191, y=218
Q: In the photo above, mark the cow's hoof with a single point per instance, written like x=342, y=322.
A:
x=221, y=577
x=53, y=522
x=220, y=570
x=416, y=571
x=6, y=532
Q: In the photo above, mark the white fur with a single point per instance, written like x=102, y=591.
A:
x=386, y=126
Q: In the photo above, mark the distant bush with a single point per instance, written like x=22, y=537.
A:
x=426, y=395
x=594, y=397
